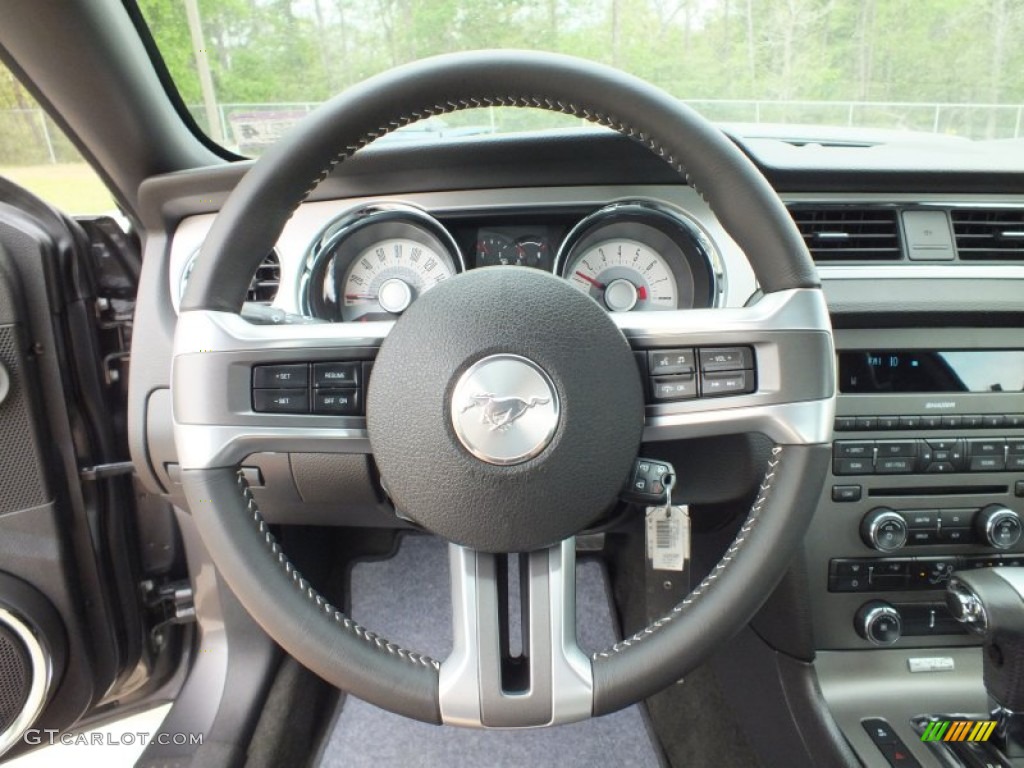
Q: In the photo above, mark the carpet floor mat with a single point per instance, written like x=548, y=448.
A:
x=406, y=599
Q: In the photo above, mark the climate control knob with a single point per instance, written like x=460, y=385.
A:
x=884, y=529
x=999, y=526
x=879, y=623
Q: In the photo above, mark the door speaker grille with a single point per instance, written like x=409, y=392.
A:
x=15, y=677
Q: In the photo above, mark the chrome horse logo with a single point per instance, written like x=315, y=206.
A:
x=501, y=412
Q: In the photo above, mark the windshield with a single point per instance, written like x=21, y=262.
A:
x=249, y=69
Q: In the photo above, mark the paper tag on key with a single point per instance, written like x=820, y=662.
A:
x=668, y=537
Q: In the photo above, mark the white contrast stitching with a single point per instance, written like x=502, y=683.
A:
x=321, y=602
x=717, y=571
x=473, y=102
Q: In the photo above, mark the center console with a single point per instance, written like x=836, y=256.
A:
x=927, y=478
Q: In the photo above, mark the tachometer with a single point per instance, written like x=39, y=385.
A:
x=375, y=261
x=639, y=256
x=624, y=275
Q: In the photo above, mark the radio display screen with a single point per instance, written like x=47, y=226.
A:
x=896, y=371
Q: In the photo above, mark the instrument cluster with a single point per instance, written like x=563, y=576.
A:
x=372, y=262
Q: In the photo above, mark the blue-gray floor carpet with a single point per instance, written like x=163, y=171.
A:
x=407, y=600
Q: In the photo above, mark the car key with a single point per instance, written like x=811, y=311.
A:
x=648, y=481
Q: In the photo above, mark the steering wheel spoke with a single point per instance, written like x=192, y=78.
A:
x=237, y=412
x=550, y=682
x=792, y=398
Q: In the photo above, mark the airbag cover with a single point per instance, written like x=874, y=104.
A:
x=597, y=402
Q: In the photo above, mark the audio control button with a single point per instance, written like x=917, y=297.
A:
x=921, y=518
x=852, y=449
x=921, y=537
x=956, y=518
x=940, y=468
x=987, y=464
x=846, y=493
x=893, y=448
x=884, y=529
x=987, y=447
x=852, y=467
x=1015, y=445
x=956, y=535
x=894, y=466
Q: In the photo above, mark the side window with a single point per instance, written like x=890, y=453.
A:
x=35, y=154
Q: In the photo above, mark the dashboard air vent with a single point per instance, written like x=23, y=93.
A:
x=848, y=233
x=989, y=234
x=267, y=280
x=264, y=285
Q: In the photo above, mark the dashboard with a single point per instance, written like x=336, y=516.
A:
x=924, y=276
x=652, y=249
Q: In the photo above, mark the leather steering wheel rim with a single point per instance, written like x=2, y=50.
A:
x=245, y=552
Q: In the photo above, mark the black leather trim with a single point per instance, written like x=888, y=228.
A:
x=294, y=613
x=258, y=208
x=730, y=595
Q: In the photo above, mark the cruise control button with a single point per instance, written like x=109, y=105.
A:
x=280, y=400
x=671, y=361
x=292, y=376
x=726, y=359
x=336, y=374
x=337, y=402
x=674, y=388
x=715, y=384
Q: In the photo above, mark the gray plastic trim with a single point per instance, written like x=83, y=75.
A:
x=879, y=683
x=561, y=686
x=214, y=424
x=42, y=676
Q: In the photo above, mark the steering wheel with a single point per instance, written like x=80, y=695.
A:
x=530, y=484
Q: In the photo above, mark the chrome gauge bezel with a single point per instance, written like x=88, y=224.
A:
x=349, y=234
x=627, y=219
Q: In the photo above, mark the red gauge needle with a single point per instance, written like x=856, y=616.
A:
x=596, y=283
x=641, y=293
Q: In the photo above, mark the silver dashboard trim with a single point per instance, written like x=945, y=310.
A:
x=214, y=424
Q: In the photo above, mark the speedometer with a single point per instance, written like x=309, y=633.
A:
x=638, y=256
x=372, y=263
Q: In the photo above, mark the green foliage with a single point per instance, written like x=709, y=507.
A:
x=891, y=50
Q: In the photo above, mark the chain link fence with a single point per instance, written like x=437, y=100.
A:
x=29, y=137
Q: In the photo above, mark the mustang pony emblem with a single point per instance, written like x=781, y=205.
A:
x=501, y=412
